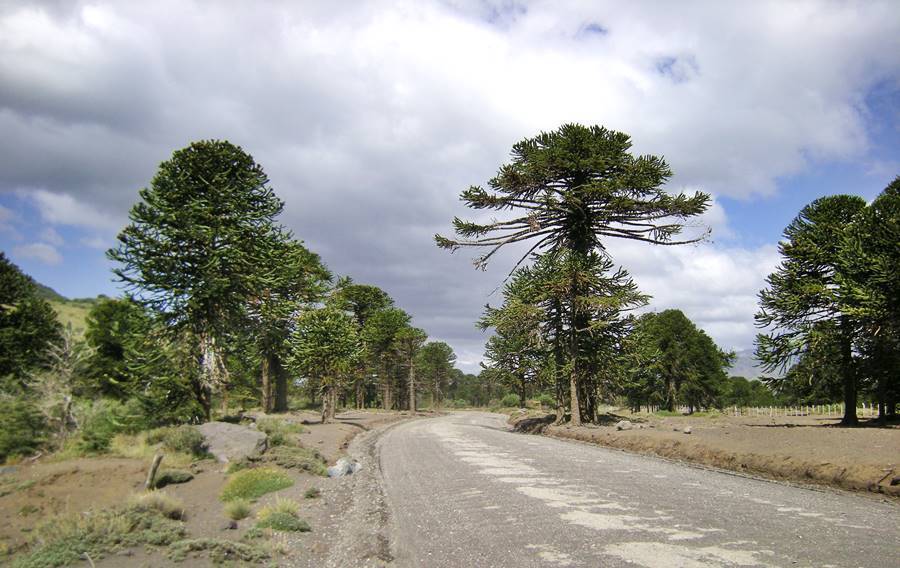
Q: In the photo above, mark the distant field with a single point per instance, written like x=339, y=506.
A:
x=73, y=312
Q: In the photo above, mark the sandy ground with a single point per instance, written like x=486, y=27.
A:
x=41, y=490
x=799, y=449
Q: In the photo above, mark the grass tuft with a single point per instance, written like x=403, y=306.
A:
x=254, y=483
x=237, y=509
x=280, y=432
x=313, y=493
x=157, y=501
x=290, y=457
x=281, y=516
x=219, y=551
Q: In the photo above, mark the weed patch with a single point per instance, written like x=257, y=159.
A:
x=237, y=509
x=219, y=551
x=184, y=439
x=290, y=457
x=280, y=432
x=313, y=493
x=254, y=483
x=281, y=516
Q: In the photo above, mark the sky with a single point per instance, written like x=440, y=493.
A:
x=370, y=118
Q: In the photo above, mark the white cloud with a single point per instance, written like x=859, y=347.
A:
x=43, y=252
x=370, y=120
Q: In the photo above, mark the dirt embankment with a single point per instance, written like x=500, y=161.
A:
x=798, y=449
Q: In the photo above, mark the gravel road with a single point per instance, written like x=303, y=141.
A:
x=461, y=490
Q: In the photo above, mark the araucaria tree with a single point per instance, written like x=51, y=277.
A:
x=325, y=346
x=808, y=291
x=197, y=247
x=568, y=190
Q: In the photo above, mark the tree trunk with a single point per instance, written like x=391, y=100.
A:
x=281, y=385
x=266, y=400
x=329, y=401
x=360, y=395
x=412, y=385
x=848, y=374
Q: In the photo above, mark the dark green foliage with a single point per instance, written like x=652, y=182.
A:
x=254, y=483
x=312, y=493
x=435, y=366
x=808, y=290
x=111, y=327
x=102, y=419
x=199, y=248
x=742, y=392
x=23, y=429
x=28, y=326
x=172, y=477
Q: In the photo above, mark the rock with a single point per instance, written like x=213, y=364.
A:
x=675, y=429
x=895, y=481
x=624, y=425
x=687, y=430
x=8, y=469
x=229, y=525
x=232, y=442
x=171, y=477
x=344, y=467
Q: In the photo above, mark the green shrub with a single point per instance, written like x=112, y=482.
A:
x=237, y=509
x=23, y=429
x=219, y=551
x=281, y=516
x=546, y=401
x=312, y=493
x=290, y=457
x=279, y=431
x=64, y=541
x=184, y=439
x=510, y=401
x=100, y=422
x=172, y=477
x=157, y=501
x=254, y=483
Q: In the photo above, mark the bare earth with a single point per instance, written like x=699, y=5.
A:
x=796, y=448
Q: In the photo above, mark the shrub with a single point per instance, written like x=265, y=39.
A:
x=281, y=516
x=290, y=457
x=171, y=477
x=184, y=439
x=459, y=403
x=254, y=483
x=312, y=493
x=99, y=424
x=237, y=509
x=510, y=401
x=279, y=431
x=167, y=506
x=22, y=428
x=546, y=401
x=220, y=551
x=65, y=540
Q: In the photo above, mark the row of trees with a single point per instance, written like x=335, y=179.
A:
x=832, y=307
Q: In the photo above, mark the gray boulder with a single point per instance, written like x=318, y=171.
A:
x=624, y=425
x=687, y=430
x=232, y=442
x=344, y=467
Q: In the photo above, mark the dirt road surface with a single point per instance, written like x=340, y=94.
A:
x=462, y=490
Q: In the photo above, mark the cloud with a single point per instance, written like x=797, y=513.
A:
x=49, y=235
x=43, y=252
x=370, y=120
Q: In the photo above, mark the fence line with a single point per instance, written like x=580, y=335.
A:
x=836, y=410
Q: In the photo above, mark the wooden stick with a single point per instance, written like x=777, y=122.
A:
x=151, y=476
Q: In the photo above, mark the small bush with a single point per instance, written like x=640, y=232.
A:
x=167, y=506
x=304, y=459
x=279, y=431
x=237, y=509
x=281, y=516
x=254, y=483
x=312, y=493
x=99, y=424
x=185, y=439
x=172, y=477
x=22, y=428
x=65, y=540
x=219, y=551
x=546, y=401
x=510, y=401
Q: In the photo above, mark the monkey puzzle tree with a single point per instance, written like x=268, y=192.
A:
x=807, y=290
x=362, y=301
x=568, y=190
x=435, y=361
x=299, y=280
x=378, y=338
x=197, y=249
x=407, y=342
x=325, y=345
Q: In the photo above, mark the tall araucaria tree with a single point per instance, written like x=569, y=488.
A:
x=197, y=247
x=324, y=345
x=806, y=291
x=435, y=361
x=569, y=190
x=407, y=343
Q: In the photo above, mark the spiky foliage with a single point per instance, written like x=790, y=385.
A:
x=435, y=363
x=378, y=338
x=406, y=345
x=808, y=289
x=199, y=244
